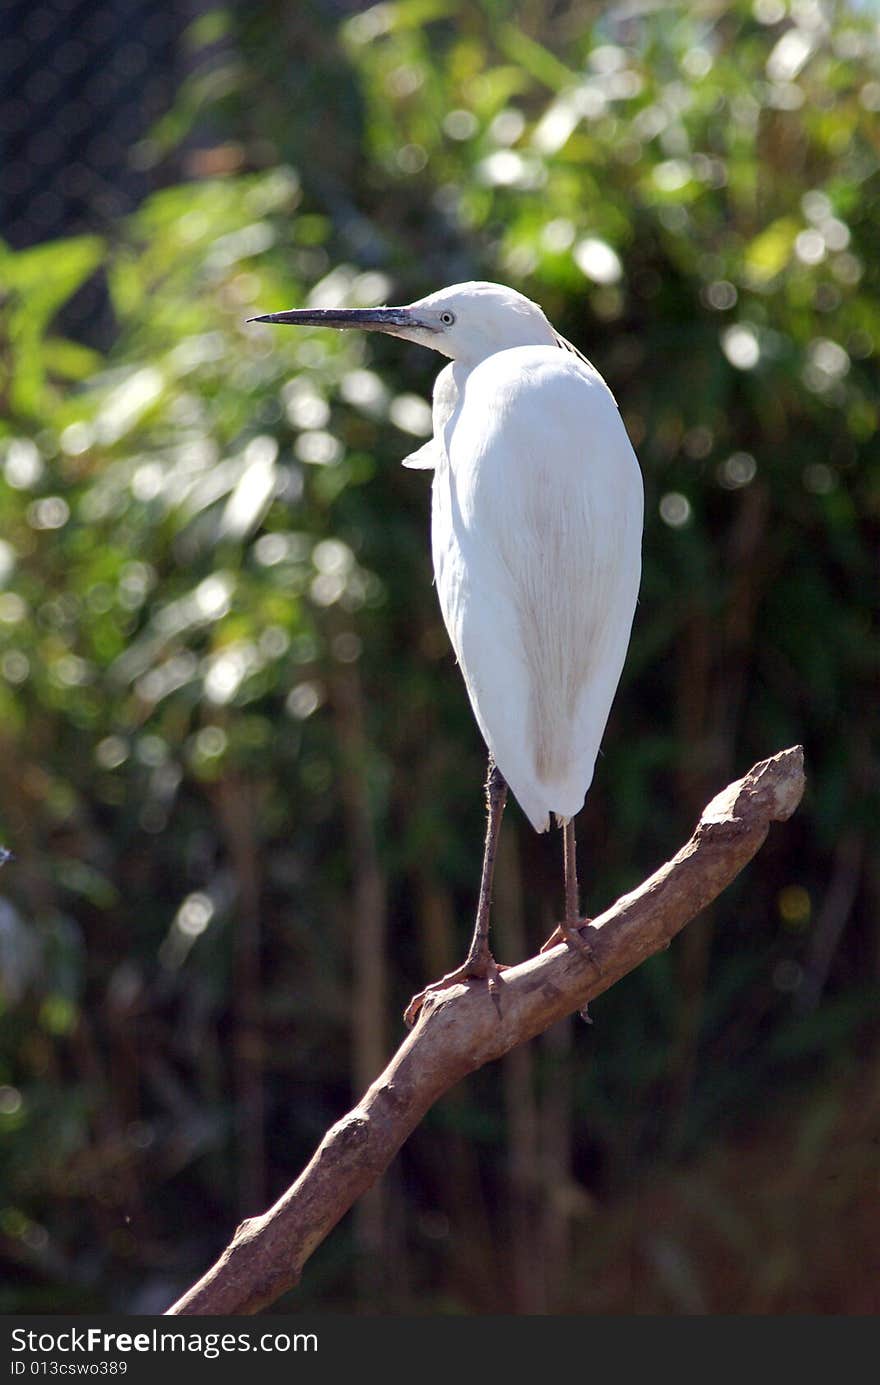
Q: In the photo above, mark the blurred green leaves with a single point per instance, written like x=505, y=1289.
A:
x=37, y=283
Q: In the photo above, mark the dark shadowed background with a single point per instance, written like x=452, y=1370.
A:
x=238, y=769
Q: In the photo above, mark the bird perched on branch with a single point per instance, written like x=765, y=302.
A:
x=536, y=536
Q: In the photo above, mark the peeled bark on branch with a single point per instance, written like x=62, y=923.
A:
x=461, y=1029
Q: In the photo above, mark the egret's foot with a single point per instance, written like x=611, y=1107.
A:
x=479, y=968
x=571, y=933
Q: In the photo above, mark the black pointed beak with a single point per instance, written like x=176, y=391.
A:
x=393, y=320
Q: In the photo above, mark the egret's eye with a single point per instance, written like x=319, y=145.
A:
x=447, y=319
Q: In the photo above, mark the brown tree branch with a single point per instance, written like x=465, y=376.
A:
x=461, y=1029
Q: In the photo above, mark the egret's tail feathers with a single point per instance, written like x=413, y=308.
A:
x=542, y=802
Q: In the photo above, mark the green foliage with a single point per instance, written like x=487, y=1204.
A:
x=209, y=557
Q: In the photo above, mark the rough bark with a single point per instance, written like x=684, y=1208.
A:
x=461, y=1029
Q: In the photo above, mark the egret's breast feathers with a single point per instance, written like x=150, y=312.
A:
x=431, y=454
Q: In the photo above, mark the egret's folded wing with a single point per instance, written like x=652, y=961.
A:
x=425, y=459
x=536, y=535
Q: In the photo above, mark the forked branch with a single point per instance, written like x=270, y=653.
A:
x=461, y=1029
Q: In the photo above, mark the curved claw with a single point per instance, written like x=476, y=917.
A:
x=477, y=969
x=571, y=933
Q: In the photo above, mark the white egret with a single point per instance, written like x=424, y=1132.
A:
x=536, y=537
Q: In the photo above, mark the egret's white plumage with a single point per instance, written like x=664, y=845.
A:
x=536, y=538
x=537, y=519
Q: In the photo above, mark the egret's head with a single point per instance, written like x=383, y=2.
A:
x=467, y=322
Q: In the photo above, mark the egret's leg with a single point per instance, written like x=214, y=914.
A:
x=479, y=964
x=496, y=797
x=569, y=931
x=569, y=866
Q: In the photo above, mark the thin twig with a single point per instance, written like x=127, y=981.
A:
x=461, y=1029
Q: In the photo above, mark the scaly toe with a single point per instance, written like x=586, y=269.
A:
x=571, y=934
x=478, y=969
